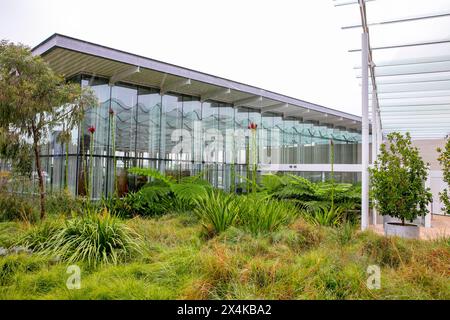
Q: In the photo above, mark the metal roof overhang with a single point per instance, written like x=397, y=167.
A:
x=69, y=57
x=409, y=62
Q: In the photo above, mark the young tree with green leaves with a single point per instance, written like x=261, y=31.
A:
x=398, y=179
x=34, y=99
x=444, y=160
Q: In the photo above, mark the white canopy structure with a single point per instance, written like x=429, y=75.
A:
x=403, y=59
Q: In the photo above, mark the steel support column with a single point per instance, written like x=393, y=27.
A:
x=365, y=131
x=374, y=142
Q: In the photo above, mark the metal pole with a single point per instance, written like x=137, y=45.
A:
x=365, y=132
x=380, y=133
x=374, y=142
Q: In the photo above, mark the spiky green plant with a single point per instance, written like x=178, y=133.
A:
x=95, y=238
x=216, y=211
x=37, y=237
x=261, y=215
x=332, y=216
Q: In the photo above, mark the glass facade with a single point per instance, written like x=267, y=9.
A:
x=182, y=136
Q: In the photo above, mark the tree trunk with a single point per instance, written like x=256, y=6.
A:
x=40, y=178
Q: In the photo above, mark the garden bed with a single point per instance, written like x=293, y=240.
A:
x=298, y=261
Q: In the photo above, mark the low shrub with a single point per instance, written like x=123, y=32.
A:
x=94, y=238
x=16, y=208
x=37, y=237
x=9, y=232
x=63, y=203
x=304, y=236
x=386, y=251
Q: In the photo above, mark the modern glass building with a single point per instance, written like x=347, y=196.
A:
x=183, y=122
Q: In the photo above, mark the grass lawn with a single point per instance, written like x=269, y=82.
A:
x=300, y=261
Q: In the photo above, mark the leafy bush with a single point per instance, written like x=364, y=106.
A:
x=216, y=211
x=289, y=187
x=16, y=208
x=260, y=215
x=312, y=197
x=444, y=160
x=162, y=194
x=63, y=203
x=95, y=238
x=398, y=179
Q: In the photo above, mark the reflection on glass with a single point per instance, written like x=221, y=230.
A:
x=183, y=136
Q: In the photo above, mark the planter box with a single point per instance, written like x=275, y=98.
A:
x=419, y=220
x=408, y=230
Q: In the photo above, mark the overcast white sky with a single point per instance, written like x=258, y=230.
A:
x=293, y=47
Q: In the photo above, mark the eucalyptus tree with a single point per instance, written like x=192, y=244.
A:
x=34, y=100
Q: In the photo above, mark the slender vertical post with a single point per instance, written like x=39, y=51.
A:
x=374, y=142
x=365, y=132
x=380, y=133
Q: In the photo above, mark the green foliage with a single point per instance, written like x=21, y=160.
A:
x=17, y=151
x=152, y=173
x=33, y=100
x=254, y=213
x=16, y=208
x=325, y=216
x=12, y=265
x=298, y=261
x=64, y=203
x=398, y=179
x=216, y=211
x=345, y=233
x=162, y=195
x=316, y=199
x=444, y=160
x=94, y=238
x=387, y=251
x=261, y=215
x=289, y=187
x=38, y=237
x=295, y=187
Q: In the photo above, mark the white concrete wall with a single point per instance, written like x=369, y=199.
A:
x=428, y=151
x=429, y=154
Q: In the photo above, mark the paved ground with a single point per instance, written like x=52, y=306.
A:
x=440, y=228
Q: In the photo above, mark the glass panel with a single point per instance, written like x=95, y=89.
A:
x=241, y=127
x=212, y=140
x=124, y=105
x=99, y=119
x=226, y=128
x=171, y=120
x=149, y=123
x=192, y=112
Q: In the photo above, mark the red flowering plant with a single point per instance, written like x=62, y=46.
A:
x=252, y=126
x=91, y=130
